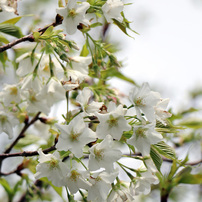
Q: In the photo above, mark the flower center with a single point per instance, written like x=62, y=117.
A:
x=72, y=13
x=74, y=175
x=13, y=91
x=53, y=163
x=140, y=132
x=3, y=118
x=139, y=101
x=99, y=154
x=74, y=136
x=112, y=121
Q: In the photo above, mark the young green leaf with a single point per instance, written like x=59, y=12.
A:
x=156, y=158
x=11, y=29
x=165, y=150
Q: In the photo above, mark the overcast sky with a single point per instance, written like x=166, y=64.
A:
x=168, y=51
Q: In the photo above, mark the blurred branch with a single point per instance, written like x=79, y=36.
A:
x=30, y=37
x=27, y=153
x=21, y=135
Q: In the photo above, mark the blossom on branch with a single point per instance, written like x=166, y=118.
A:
x=101, y=185
x=112, y=123
x=143, y=137
x=75, y=136
x=52, y=167
x=11, y=94
x=144, y=101
x=73, y=14
x=103, y=155
x=112, y=10
x=90, y=107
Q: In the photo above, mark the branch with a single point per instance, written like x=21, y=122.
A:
x=30, y=37
x=21, y=135
x=27, y=153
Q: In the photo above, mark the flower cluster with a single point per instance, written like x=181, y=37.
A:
x=90, y=137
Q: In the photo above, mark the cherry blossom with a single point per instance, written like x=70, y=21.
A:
x=90, y=107
x=144, y=100
x=101, y=185
x=74, y=136
x=143, y=137
x=73, y=14
x=52, y=167
x=103, y=155
x=112, y=123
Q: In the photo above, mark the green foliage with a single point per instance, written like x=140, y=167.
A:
x=165, y=150
x=194, y=123
x=156, y=157
x=11, y=29
x=27, y=140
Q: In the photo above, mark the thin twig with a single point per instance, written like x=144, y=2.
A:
x=30, y=37
x=21, y=135
x=27, y=153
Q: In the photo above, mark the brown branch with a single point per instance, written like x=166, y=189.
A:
x=30, y=37
x=27, y=153
x=21, y=135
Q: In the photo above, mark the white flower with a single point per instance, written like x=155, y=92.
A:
x=76, y=179
x=73, y=14
x=74, y=136
x=4, y=6
x=112, y=9
x=52, y=92
x=78, y=71
x=10, y=94
x=103, y=155
x=84, y=100
x=143, y=183
x=121, y=192
x=144, y=100
x=143, y=137
x=160, y=110
x=68, y=85
x=7, y=122
x=26, y=66
x=31, y=90
x=112, y=123
x=52, y=167
x=101, y=185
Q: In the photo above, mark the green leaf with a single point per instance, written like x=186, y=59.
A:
x=156, y=158
x=36, y=35
x=3, y=57
x=113, y=72
x=185, y=177
x=194, y=123
x=12, y=20
x=6, y=187
x=132, y=148
x=15, y=20
x=4, y=39
x=48, y=32
x=96, y=24
x=84, y=51
x=11, y=29
x=27, y=140
x=191, y=179
x=165, y=150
